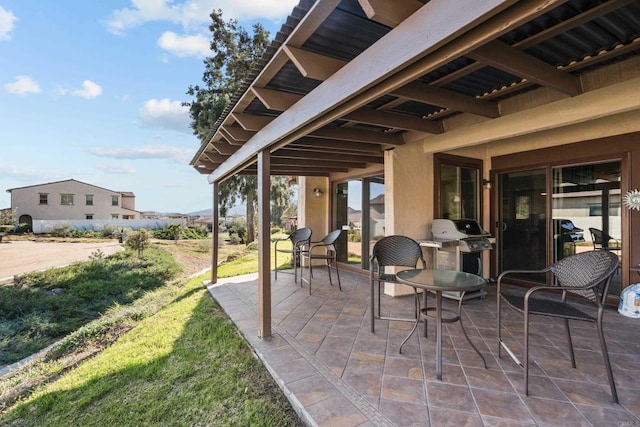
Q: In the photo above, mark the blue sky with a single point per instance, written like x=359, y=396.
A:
x=92, y=90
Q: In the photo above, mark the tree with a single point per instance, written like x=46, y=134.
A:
x=139, y=241
x=235, y=53
x=7, y=216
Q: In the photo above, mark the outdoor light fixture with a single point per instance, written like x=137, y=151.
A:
x=486, y=184
x=317, y=192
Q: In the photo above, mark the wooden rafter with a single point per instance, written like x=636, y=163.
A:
x=327, y=156
x=389, y=13
x=332, y=144
x=433, y=95
x=357, y=135
x=394, y=121
x=251, y=122
x=503, y=57
x=313, y=65
x=275, y=100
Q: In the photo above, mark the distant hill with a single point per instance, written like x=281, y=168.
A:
x=236, y=210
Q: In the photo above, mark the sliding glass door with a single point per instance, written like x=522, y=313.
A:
x=584, y=203
x=359, y=211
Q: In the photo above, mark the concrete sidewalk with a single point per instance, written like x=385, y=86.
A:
x=21, y=257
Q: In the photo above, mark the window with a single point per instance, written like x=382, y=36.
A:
x=66, y=199
x=88, y=216
x=114, y=216
x=127, y=216
x=44, y=199
x=89, y=200
x=114, y=200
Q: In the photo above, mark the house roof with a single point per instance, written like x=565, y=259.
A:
x=345, y=80
x=123, y=193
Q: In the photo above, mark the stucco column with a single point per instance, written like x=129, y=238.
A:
x=313, y=211
x=408, y=181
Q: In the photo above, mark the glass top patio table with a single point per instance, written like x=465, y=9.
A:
x=437, y=281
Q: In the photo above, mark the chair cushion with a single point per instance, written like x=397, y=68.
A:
x=547, y=307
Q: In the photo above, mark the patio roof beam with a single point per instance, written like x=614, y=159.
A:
x=274, y=99
x=393, y=120
x=238, y=134
x=224, y=148
x=333, y=144
x=434, y=95
x=333, y=157
x=358, y=135
x=389, y=13
x=313, y=65
x=228, y=138
x=215, y=157
x=311, y=163
x=251, y=122
x=503, y=57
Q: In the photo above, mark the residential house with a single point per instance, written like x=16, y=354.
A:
x=71, y=200
x=495, y=110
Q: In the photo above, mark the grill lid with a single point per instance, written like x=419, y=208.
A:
x=457, y=229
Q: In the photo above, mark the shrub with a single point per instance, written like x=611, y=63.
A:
x=139, y=241
x=62, y=230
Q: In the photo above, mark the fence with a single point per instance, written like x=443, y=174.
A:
x=45, y=226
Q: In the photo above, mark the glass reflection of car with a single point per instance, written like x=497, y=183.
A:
x=566, y=229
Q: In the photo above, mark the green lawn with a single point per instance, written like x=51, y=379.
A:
x=182, y=362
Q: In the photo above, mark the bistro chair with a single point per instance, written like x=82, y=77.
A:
x=392, y=251
x=579, y=288
x=324, y=249
x=602, y=241
x=299, y=239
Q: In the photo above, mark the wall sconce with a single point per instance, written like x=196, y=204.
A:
x=317, y=192
x=486, y=184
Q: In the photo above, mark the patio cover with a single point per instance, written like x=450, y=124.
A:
x=345, y=81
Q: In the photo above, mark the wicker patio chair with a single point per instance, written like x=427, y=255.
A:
x=392, y=251
x=602, y=241
x=324, y=249
x=299, y=239
x=579, y=288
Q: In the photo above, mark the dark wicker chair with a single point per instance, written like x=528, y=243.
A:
x=392, y=251
x=602, y=241
x=586, y=276
x=324, y=249
x=299, y=239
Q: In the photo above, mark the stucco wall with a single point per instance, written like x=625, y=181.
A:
x=26, y=201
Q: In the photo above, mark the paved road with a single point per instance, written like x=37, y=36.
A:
x=21, y=257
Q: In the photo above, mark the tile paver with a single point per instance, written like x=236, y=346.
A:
x=337, y=373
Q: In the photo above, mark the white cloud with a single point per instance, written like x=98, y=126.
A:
x=23, y=85
x=7, y=23
x=195, y=13
x=165, y=114
x=117, y=168
x=195, y=45
x=20, y=173
x=89, y=90
x=176, y=154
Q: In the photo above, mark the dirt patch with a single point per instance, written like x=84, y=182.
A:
x=194, y=255
x=19, y=257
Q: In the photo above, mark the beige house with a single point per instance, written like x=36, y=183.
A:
x=71, y=200
x=495, y=110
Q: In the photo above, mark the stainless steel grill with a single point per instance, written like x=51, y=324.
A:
x=460, y=243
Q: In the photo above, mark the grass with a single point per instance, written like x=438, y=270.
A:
x=194, y=370
x=43, y=307
x=170, y=357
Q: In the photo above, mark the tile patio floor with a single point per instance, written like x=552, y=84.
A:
x=337, y=373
